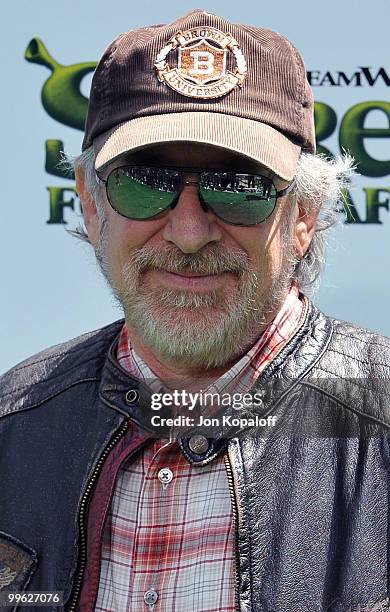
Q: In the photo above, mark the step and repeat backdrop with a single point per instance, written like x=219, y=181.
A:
x=51, y=288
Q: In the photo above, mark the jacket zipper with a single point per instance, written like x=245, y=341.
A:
x=78, y=580
x=229, y=474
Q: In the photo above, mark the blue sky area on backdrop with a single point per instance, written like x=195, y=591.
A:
x=51, y=289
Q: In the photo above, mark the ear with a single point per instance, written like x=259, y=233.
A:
x=91, y=218
x=304, y=230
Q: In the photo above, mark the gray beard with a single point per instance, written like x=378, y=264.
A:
x=199, y=331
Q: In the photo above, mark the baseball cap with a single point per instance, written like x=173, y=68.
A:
x=202, y=79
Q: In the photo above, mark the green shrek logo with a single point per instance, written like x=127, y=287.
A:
x=64, y=102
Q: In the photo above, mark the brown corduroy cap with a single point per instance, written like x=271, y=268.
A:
x=202, y=79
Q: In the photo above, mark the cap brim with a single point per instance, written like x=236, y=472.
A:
x=256, y=140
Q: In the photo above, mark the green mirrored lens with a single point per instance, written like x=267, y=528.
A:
x=142, y=193
x=241, y=199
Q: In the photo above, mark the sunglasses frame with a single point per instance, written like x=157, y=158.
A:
x=206, y=207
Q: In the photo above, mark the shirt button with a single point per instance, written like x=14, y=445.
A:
x=198, y=444
x=150, y=597
x=165, y=475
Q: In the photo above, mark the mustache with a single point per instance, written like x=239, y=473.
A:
x=212, y=259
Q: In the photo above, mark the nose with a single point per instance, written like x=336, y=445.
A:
x=188, y=225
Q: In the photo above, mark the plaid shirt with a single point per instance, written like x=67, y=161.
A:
x=168, y=540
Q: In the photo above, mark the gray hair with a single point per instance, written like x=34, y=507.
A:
x=319, y=188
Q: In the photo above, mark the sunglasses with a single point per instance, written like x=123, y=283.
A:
x=238, y=198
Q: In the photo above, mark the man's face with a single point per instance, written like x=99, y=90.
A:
x=195, y=290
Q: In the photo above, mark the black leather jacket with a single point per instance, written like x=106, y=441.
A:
x=310, y=497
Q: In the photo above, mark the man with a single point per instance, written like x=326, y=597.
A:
x=225, y=447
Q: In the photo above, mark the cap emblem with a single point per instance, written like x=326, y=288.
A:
x=202, y=56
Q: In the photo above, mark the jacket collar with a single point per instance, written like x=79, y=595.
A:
x=132, y=397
